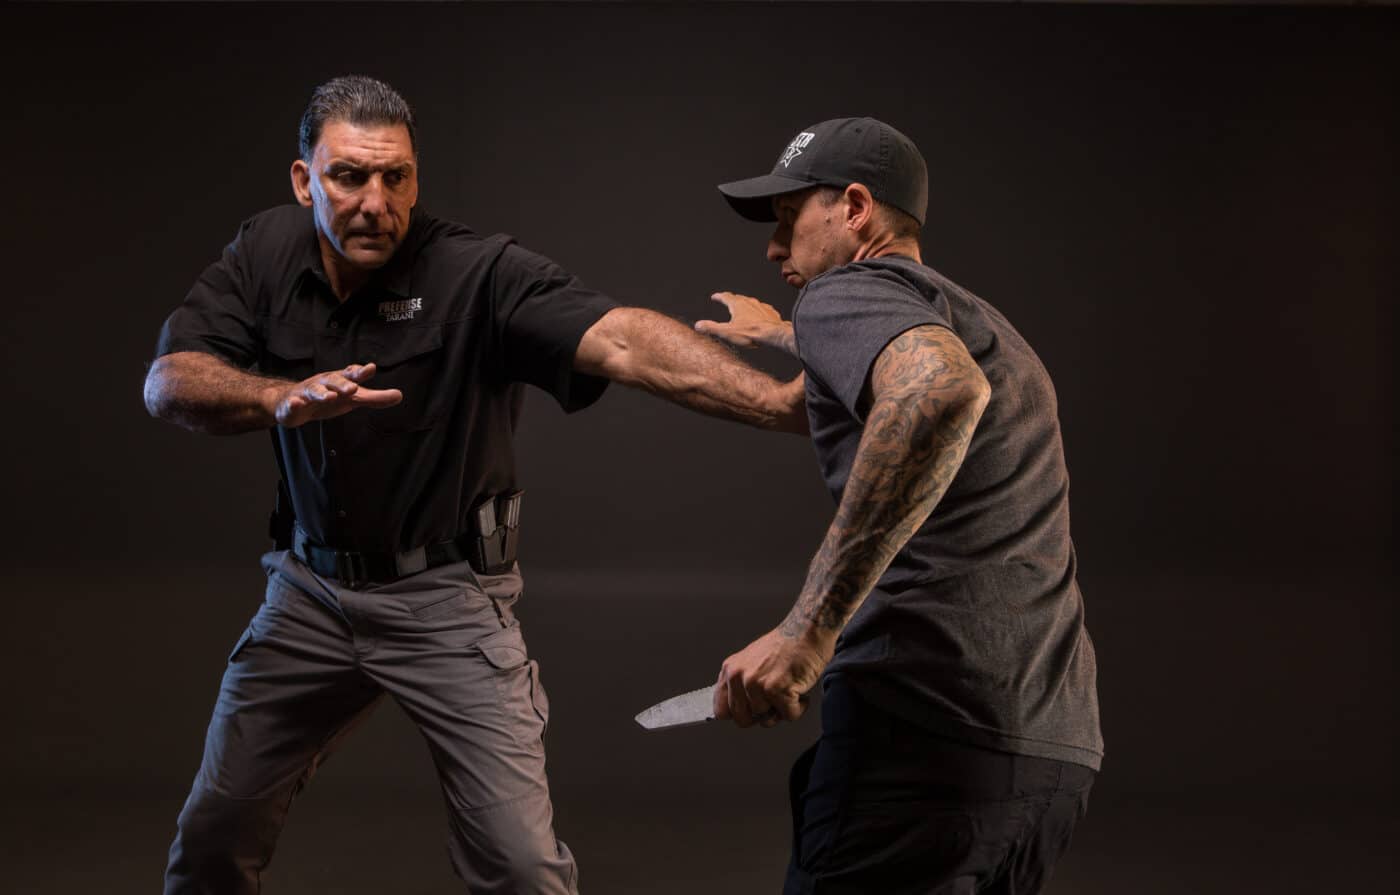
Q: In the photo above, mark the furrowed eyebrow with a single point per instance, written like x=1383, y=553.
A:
x=346, y=165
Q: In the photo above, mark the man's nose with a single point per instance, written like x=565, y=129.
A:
x=777, y=249
x=372, y=198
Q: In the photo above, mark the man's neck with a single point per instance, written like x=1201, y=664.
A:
x=880, y=246
x=344, y=278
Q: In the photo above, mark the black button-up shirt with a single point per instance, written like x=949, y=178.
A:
x=456, y=321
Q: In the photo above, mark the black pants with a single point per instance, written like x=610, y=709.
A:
x=883, y=807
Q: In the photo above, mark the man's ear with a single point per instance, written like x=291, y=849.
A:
x=860, y=207
x=301, y=182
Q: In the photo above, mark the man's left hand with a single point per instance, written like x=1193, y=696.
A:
x=767, y=680
x=751, y=322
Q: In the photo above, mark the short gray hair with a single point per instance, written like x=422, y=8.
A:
x=358, y=100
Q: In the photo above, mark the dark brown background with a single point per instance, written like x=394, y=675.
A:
x=1189, y=212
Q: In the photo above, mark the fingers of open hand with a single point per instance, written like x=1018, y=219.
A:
x=725, y=331
x=348, y=382
x=317, y=392
x=725, y=298
x=327, y=387
x=747, y=306
x=360, y=372
x=337, y=392
x=377, y=397
x=339, y=383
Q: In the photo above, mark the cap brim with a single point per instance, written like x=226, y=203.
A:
x=753, y=198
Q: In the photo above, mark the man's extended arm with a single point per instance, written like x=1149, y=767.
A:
x=927, y=395
x=648, y=350
x=204, y=393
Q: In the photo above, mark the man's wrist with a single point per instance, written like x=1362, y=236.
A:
x=789, y=411
x=270, y=399
x=787, y=339
x=780, y=336
x=809, y=631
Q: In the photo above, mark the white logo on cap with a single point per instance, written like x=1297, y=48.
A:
x=794, y=149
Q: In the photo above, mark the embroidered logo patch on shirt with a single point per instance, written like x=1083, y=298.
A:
x=400, y=310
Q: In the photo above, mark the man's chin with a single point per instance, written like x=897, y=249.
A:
x=368, y=258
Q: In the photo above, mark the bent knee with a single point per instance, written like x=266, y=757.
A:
x=511, y=848
x=215, y=828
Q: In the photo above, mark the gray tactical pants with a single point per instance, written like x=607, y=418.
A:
x=315, y=660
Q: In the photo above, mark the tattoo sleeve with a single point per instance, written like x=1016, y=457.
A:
x=926, y=396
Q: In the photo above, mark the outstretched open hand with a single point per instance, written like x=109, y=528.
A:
x=332, y=394
x=751, y=322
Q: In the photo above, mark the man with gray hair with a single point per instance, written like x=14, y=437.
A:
x=386, y=352
x=960, y=726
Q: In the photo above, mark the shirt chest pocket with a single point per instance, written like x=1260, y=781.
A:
x=415, y=364
x=288, y=353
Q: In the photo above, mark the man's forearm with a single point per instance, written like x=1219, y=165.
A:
x=205, y=394
x=648, y=350
x=916, y=436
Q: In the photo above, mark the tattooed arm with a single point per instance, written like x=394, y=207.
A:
x=926, y=395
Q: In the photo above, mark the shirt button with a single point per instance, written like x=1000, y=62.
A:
x=331, y=452
x=335, y=324
x=340, y=513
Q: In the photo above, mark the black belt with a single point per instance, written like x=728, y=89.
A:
x=490, y=549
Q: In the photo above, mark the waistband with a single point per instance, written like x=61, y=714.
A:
x=490, y=549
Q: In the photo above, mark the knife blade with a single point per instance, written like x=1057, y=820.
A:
x=695, y=707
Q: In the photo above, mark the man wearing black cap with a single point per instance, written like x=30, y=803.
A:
x=960, y=732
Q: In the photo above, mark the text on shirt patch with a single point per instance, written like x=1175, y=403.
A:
x=400, y=310
x=794, y=149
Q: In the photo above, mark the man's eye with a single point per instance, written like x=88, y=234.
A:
x=348, y=178
x=393, y=178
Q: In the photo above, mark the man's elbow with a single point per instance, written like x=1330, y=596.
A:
x=608, y=348
x=158, y=392
x=979, y=394
x=962, y=404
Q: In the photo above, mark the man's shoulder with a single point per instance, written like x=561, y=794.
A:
x=442, y=238
x=280, y=222
x=878, y=276
x=868, y=281
x=277, y=242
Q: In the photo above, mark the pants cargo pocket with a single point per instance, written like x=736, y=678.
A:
x=517, y=683
x=538, y=697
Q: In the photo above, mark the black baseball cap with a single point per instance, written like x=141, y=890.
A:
x=838, y=153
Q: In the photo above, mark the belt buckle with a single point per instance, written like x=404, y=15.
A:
x=411, y=562
x=350, y=568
